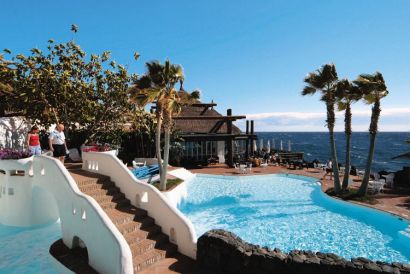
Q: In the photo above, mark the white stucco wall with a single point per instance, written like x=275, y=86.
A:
x=173, y=223
x=47, y=191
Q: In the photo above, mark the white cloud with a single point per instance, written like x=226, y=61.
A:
x=315, y=115
x=392, y=119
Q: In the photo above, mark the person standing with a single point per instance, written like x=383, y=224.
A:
x=329, y=169
x=57, y=142
x=33, y=141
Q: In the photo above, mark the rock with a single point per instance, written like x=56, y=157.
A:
x=223, y=252
x=372, y=266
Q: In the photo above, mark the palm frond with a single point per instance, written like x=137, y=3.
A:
x=308, y=90
x=341, y=105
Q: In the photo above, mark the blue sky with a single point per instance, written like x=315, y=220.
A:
x=250, y=56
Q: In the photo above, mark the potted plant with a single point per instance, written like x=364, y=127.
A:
x=100, y=148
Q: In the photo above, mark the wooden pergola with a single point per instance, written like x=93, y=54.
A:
x=215, y=127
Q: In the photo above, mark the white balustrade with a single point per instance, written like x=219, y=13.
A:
x=145, y=196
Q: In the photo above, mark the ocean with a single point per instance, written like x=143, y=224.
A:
x=315, y=145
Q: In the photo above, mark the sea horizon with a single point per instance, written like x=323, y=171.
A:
x=315, y=145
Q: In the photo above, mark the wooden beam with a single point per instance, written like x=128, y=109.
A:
x=204, y=110
x=217, y=126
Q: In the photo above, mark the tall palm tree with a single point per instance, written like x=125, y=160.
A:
x=374, y=89
x=346, y=94
x=325, y=80
x=158, y=86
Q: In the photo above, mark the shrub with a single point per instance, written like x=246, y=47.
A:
x=11, y=154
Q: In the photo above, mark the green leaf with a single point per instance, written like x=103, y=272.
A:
x=74, y=28
x=136, y=56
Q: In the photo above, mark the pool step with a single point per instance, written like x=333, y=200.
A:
x=147, y=242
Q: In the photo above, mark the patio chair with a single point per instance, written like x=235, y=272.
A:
x=360, y=172
x=375, y=187
x=389, y=179
x=249, y=166
x=138, y=164
x=242, y=169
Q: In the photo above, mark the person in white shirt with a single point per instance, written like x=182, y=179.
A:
x=57, y=142
x=329, y=169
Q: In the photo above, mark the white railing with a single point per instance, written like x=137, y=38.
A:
x=82, y=217
x=173, y=223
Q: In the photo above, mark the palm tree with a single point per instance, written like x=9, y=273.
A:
x=158, y=86
x=346, y=94
x=325, y=80
x=374, y=89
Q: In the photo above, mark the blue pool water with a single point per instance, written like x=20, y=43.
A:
x=291, y=212
x=25, y=250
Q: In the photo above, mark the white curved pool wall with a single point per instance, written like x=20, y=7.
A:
x=173, y=223
x=46, y=179
x=23, y=202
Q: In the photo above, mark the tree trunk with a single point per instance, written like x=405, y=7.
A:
x=347, y=163
x=158, y=144
x=335, y=164
x=163, y=185
x=330, y=105
x=348, y=133
x=373, y=131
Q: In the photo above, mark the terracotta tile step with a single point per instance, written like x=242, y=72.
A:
x=134, y=226
x=141, y=234
x=111, y=190
x=133, y=212
x=153, y=256
x=119, y=218
x=84, y=173
x=109, y=198
x=91, y=181
x=115, y=204
x=148, y=244
x=96, y=186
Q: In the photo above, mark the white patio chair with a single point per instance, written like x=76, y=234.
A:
x=249, y=166
x=375, y=187
x=360, y=172
x=389, y=179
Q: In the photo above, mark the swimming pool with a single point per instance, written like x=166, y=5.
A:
x=291, y=212
x=26, y=250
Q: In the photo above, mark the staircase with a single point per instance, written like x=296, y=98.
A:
x=148, y=244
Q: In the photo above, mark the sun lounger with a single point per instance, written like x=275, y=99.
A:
x=145, y=171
